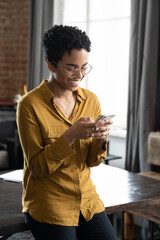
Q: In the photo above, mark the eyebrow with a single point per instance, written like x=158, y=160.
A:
x=74, y=65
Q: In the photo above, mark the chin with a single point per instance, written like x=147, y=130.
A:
x=73, y=88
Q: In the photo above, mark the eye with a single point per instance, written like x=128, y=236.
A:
x=84, y=68
x=70, y=69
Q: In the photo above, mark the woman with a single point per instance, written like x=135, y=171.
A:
x=61, y=140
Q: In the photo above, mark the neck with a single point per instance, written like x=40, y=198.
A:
x=57, y=90
x=64, y=99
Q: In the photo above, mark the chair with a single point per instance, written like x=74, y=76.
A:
x=15, y=149
x=7, y=129
x=109, y=156
x=4, y=160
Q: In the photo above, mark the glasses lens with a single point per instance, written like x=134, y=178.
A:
x=84, y=70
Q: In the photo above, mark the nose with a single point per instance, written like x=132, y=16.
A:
x=79, y=74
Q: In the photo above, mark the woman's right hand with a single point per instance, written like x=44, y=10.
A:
x=81, y=129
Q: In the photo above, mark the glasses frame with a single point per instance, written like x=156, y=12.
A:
x=73, y=71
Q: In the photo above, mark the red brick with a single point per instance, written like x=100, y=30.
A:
x=14, y=32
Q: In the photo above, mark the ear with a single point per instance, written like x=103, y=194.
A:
x=50, y=66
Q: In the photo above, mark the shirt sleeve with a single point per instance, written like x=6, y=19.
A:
x=42, y=160
x=96, y=154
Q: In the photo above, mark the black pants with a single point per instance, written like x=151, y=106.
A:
x=98, y=228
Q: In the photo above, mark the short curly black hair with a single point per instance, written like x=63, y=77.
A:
x=59, y=39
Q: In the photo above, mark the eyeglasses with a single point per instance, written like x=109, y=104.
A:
x=72, y=72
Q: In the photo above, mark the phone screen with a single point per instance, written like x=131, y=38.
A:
x=105, y=117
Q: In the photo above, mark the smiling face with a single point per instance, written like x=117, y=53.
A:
x=62, y=75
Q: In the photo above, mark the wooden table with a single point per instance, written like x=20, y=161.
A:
x=11, y=217
x=123, y=191
x=120, y=190
x=149, y=210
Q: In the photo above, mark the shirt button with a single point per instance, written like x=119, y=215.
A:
x=74, y=166
x=77, y=181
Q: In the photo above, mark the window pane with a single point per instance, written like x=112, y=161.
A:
x=108, y=9
x=80, y=25
x=107, y=25
x=109, y=58
x=75, y=10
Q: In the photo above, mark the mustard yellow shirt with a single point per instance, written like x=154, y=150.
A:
x=56, y=178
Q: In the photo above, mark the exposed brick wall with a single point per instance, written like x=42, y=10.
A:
x=14, y=39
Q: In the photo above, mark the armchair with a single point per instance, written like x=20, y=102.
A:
x=7, y=129
x=4, y=161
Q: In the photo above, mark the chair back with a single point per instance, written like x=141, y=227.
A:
x=7, y=130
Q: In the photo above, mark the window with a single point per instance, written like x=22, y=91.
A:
x=107, y=23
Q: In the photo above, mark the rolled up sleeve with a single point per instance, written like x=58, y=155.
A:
x=42, y=160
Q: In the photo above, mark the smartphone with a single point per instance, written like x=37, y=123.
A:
x=105, y=117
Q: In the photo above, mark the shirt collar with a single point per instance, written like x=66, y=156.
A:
x=46, y=92
x=81, y=94
x=48, y=95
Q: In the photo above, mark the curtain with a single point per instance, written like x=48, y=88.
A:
x=144, y=82
x=41, y=19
